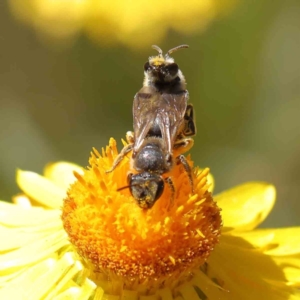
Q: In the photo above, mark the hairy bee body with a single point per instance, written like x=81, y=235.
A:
x=162, y=122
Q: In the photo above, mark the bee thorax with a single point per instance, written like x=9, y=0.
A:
x=151, y=158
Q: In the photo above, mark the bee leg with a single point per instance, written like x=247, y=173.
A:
x=187, y=168
x=184, y=144
x=130, y=137
x=169, y=181
x=119, y=158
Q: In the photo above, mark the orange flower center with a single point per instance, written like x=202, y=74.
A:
x=119, y=239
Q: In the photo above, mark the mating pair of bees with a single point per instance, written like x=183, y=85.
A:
x=163, y=123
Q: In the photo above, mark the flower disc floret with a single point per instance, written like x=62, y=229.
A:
x=118, y=238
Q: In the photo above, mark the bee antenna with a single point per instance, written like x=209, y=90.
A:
x=160, y=52
x=123, y=188
x=127, y=186
x=176, y=49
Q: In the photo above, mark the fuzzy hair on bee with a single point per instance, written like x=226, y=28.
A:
x=163, y=126
x=162, y=73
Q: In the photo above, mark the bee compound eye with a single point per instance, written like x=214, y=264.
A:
x=160, y=184
x=147, y=66
x=129, y=178
x=146, y=188
x=173, y=69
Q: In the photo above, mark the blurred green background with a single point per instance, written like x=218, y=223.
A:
x=243, y=75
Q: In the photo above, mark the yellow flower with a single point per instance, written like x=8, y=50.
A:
x=133, y=23
x=120, y=251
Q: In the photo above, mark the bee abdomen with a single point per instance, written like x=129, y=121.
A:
x=150, y=158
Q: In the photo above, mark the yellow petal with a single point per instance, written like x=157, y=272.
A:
x=246, y=206
x=211, y=182
x=287, y=264
x=279, y=241
x=47, y=276
x=14, y=238
x=164, y=294
x=290, y=268
x=61, y=173
x=83, y=292
x=87, y=289
x=40, y=189
x=207, y=286
x=8, y=277
x=16, y=216
x=187, y=292
x=33, y=252
x=22, y=200
x=72, y=268
x=245, y=274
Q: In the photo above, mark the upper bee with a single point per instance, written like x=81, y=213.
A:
x=163, y=124
x=162, y=73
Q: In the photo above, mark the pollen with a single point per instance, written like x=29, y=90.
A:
x=157, y=60
x=119, y=239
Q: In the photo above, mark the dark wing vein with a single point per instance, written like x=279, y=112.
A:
x=165, y=110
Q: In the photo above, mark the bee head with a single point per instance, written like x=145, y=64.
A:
x=146, y=188
x=162, y=68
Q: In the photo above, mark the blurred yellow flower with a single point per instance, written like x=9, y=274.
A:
x=120, y=251
x=133, y=23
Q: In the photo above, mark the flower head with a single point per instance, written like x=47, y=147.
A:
x=118, y=250
x=120, y=239
x=123, y=22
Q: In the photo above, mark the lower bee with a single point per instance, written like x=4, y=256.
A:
x=151, y=161
x=163, y=123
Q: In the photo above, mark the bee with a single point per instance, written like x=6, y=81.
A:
x=163, y=123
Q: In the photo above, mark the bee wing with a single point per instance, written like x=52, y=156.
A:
x=172, y=116
x=144, y=111
x=165, y=110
